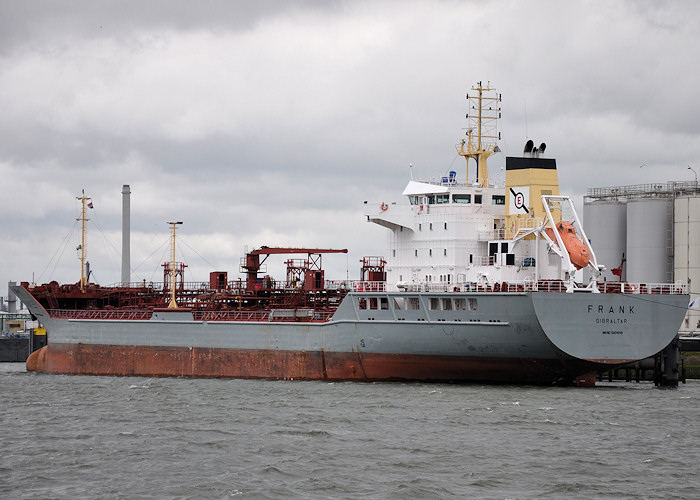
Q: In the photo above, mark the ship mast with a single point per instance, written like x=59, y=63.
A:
x=173, y=304
x=484, y=112
x=83, y=251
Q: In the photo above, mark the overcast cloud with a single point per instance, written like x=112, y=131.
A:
x=270, y=123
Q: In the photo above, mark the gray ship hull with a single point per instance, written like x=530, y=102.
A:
x=505, y=337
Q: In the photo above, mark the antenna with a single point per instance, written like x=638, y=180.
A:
x=526, y=132
x=410, y=167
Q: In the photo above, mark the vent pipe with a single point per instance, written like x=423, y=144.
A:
x=126, y=235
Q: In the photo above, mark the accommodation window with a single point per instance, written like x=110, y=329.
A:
x=412, y=303
x=442, y=198
x=460, y=304
x=461, y=198
x=445, y=225
x=393, y=253
x=477, y=199
x=430, y=252
x=420, y=227
x=504, y=247
x=498, y=199
x=416, y=252
x=431, y=226
x=472, y=304
x=444, y=252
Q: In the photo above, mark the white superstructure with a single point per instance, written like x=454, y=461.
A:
x=454, y=234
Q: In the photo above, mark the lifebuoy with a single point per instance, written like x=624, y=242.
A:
x=632, y=288
x=384, y=206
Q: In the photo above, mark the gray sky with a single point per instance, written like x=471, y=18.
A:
x=269, y=123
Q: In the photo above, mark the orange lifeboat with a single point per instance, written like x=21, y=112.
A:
x=578, y=253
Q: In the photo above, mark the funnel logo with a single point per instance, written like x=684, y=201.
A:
x=519, y=200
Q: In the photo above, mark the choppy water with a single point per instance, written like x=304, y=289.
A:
x=102, y=437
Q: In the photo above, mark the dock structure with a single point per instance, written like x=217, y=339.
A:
x=667, y=368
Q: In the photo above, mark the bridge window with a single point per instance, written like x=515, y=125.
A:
x=442, y=198
x=498, y=199
x=461, y=198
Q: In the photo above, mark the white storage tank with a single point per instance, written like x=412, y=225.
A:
x=605, y=223
x=686, y=255
x=649, y=240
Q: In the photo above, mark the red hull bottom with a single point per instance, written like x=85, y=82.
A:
x=156, y=361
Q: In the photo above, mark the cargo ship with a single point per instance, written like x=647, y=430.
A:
x=479, y=285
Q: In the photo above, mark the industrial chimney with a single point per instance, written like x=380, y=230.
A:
x=126, y=235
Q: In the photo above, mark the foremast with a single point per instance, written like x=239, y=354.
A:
x=173, y=228
x=84, y=275
x=482, y=133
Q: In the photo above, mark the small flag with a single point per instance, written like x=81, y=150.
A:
x=90, y=205
x=694, y=304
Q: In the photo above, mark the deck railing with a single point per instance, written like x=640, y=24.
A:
x=100, y=314
x=554, y=286
x=548, y=286
x=105, y=314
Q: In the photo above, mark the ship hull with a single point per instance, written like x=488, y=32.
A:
x=523, y=337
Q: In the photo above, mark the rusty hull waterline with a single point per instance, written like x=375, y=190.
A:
x=166, y=361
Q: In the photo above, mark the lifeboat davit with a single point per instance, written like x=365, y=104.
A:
x=578, y=253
